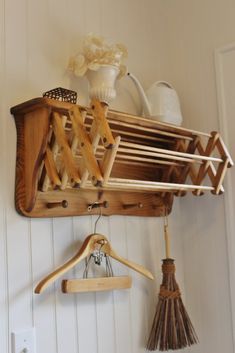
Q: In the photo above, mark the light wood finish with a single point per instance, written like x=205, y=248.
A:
x=220, y=176
x=142, y=121
x=85, y=146
x=95, y=284
x=99, y=111
x=51, y=168
x=100, y=129
x=74, y=145
x=31, y=147
x=224, y=152
x=148, y=159
x=189, y=156
x=91, y=243
x=62, y=140
x=147, y=129
x=79, y=199
x=154, y=185
x=108, y=159
x=95, y=138
x=55, y=150
x=167, y=242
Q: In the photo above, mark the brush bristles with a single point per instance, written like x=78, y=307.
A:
x=172, y=327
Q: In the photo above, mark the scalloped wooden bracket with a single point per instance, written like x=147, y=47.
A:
x=69, y=157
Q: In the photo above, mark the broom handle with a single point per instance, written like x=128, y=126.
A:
x=167, y=241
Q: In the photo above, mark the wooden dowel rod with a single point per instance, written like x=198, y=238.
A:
x=63, y=204
x=135, y=119
x=150, y=188
x=132, y=134
x=141, y=164
x=147, y=160
x=121, y=158
x=174, y=153
x=143, y=136
x=164, y=155
x=156, y=187
x=132, y=205
x=155, y=131
x=167, y=242
x=132, y=182
x=142, y=121
x=156, y=154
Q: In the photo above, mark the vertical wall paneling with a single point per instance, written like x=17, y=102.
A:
x=36, y=40
x=121, y=298
x=152, y=236
x=137, y=296
x=104, y=303
x=85, y=302
x=151, y=242
x=4, y=301
x=44, y=304
x=65, y=313
x=225, y=81
x=190, y=44
x=18, y=242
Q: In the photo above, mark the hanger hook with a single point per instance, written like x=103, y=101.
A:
x=98, y=218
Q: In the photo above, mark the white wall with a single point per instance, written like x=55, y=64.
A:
x=37, y=38
x=173, y=40
x=192, y=30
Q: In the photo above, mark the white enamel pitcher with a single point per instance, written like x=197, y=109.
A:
x=160, y=102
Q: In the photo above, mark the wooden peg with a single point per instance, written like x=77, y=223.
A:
x=63, y=204
x=132, y=205
x=104, y=204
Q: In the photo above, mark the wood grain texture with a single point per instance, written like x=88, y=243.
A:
x=92, y=243
x=95, y=284
x=79, y=149
x=31, y=146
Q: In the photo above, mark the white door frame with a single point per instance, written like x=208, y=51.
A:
x=229, y=203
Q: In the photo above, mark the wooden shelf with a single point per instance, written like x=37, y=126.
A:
x=80, y=156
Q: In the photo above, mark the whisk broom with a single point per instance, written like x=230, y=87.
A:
x=172, y=327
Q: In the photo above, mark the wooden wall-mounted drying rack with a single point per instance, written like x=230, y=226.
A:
x=70, y=157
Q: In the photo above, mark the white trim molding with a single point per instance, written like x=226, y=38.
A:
x=229, y=186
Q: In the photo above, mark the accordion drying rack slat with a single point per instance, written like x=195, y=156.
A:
x=69, y=157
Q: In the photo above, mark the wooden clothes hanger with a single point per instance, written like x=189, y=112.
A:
x=92, y=243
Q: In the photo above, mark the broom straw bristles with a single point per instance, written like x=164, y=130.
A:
x=172, y=327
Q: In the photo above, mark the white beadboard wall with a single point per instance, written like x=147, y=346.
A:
x=193, y=31
x=171, y=40
x=37, y=38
